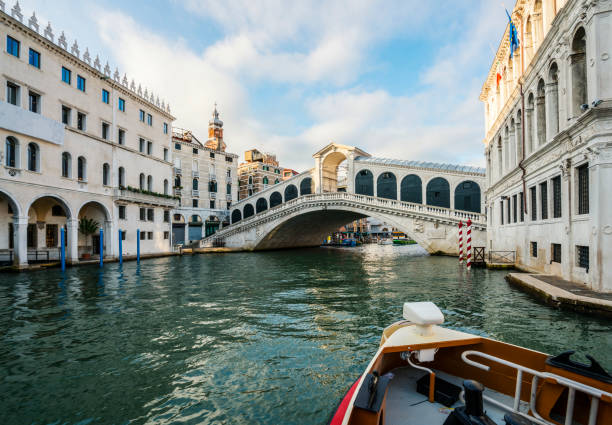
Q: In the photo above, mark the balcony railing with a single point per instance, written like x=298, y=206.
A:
x=213, y=195
x=178, y=171
x=145, y=198
x=177, y=192
x=212, y=176
x=228, y=196
x=195, y=173
x=195, y=193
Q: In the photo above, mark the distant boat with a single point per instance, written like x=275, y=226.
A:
x=385, y=242
x=403, y=241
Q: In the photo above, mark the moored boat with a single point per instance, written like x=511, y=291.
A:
x=426, y=374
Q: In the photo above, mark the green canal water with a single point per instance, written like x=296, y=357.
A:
x=271, y=337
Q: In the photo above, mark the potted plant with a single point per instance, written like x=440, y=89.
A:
x=88, y=226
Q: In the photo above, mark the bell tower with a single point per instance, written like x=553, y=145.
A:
x=215, y=132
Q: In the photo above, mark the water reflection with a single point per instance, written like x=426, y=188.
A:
x=240, y=338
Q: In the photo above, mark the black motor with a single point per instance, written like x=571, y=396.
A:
x=473, y=412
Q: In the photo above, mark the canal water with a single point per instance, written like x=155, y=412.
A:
x=271, y=337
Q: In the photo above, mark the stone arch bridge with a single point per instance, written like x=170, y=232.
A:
x=424, y=200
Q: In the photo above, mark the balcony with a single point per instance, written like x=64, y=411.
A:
x=145, y=198
x=213, y=195
x=177, y=191
x=195, y=173
x=195, y=193
x=212, y=176
x=178, y=171
x=228, y=197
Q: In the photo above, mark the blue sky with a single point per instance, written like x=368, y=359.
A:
x=399, y=79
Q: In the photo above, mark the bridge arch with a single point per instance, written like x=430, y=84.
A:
x=438, y=192
x=291, y=192
x=329, y=168
x=248, y=211
x=306, y=186
x=236, y=216
x=386, y=185
x=364, y=182
x=411, y=189
x=275, y=199
x=467, y=196
x=261, y=205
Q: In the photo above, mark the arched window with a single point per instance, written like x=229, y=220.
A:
x=506, y=149
x=105, y=174
x=291, y=192
x=58, y=211
x=306, y=186
x=541, y=113
x=364, y=183
x=165, y=186
x=66, y=165
x=500, y=158
x=261, y=205
x=386, y=186
x=81, y=168
x=265, y=180
x=467, y=196
x=529, y=124
x=194, y=184
x=275, y=199
x=177, y=182
x=579, y=72
x=438, y=192
x=248, y=211
x=411, y=189
x=121, y=177
x=229, y=189
x=11, y=152
x=33, y=157
x=250, y=179
x=553, y=98
x=150, y=183
x=141, y=181
x=236, y=216
x=276, y=181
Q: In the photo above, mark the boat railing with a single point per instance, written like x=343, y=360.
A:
x=572, y=386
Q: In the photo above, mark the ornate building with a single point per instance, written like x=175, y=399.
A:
x=205, y=179
x=548, y=115
x=78, y=142
x=259, y=171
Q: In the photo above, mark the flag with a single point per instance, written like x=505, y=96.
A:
x=514, y=40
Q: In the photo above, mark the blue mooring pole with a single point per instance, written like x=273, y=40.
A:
x=138, y=246
x=63, y=249
x=120, y=247
x=101, y=247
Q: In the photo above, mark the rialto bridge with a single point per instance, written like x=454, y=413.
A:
x=424, y=200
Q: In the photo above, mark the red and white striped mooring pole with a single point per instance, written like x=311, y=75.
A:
x=461, y=242
x=468, y=244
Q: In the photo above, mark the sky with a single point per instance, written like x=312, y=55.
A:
x=397, y=78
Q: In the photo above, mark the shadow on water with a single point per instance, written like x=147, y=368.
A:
x=243, y=337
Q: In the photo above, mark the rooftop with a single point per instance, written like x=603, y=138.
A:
x=421, y=164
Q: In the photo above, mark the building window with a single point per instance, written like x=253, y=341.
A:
x=121, y=136
x=149, y=235
x=149, y=148
x=81, y=83
x=583, y=189
x=522, y=206
x=534, y=203
x=582, y=255
x=105, y=128
x=81, y=168
x=177, y=146
x=166, y=235
x=501, y=211
x=556, y=182
x=141, y=181
x=12, y=46
x=250, y=179
x=66, y=75
x=141, y=115
x=34, y=58
x=33, y=157
x=51, y=235
x=165, y=128
x=508, y=216
x=106, y=174
x=212, y=186
x=556, y=253
x=66, y=115
x=212, y=155
x=143, y=214
x=194, y=184
x=544, y=200
x=514, y=217
x=81, y=121
x=34, y=102
x=165, y=186
x=12, y=93
x=121, y=104
x=265, y=180
x=534, y=249
x=105, y=96
x=228, y=159
x=194, y=203
x=150, y=183
x=195, y=151
x=121, y=177
x=123, y=234
x=150, y=214
x=149, y=119
x=229, y=188
x=166, y=216
x=165, y=154
x=143, y=236
x=122, y=212
x=66, y=164
x=141, y=145
x=212, y=205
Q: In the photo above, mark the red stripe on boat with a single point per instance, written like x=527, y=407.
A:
x=339, y=415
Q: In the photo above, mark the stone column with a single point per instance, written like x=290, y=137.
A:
x=110, y=236
x=552, y=110
x=518, y=131
x=72, y=247
x=540, y=121
x=187, y=231
x=20, y=241
x=600, y=175
x=528, y=131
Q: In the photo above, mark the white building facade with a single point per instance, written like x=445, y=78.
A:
x=548, y=117
x=77, y=142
